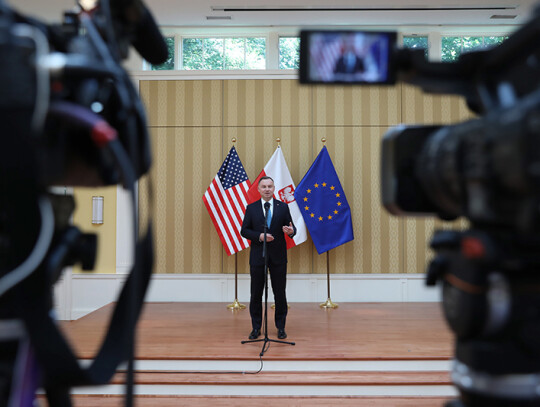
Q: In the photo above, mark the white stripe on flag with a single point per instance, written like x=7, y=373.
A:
x=227, y=231
x=234, y=194
x=227, y=218
x=243, y=195
x=296, y=215
x=234, y=198
x=241, y=191
x=228, y=197
x=216, y=217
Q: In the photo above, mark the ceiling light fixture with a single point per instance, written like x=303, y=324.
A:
x=503, y=16
x=363, y=9
x=218, y=17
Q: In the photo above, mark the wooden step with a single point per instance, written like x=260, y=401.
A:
x=249, y=401
x=291, y=378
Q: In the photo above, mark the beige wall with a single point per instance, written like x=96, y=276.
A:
x=106, y=233
x=192, y=124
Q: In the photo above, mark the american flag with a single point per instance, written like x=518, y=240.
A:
x=324, y=54
x=226, y=202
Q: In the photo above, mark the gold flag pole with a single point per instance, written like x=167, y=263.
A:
x=273, y=306
x=328, y=303
x=235, y=305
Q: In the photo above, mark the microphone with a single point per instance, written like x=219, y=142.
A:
x=266, y=208
x=148, y=40
x=144, y=32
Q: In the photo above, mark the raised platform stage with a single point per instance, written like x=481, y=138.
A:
x=361, y=354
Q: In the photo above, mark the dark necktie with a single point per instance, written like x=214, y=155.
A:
x=269, y=210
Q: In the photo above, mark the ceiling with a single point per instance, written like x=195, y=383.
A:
x=304, y=13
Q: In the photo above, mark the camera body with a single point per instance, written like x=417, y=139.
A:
x=70, y=115
x=486, y=170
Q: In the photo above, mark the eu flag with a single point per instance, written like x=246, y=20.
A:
x=323, y=205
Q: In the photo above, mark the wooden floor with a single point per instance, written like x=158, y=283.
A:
x=199, y=333
x=232, y=401
x=209, y=331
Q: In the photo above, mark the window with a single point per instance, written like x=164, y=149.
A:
x=169, y=63
x=242, y=52
x=453, y=47
x=223, y=53
x=289, y=52
x=416, y=42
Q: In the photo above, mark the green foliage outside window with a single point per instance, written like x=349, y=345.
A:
x=250, y=52
x=255, y=53
x=223, y=53
x=453, y=47
x=192, y=52
x=289, y=53
x=494, y=41
x=169, y=63
x=416, y=42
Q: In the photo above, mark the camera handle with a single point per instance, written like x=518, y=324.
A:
x=491, y=285
x=24, y=381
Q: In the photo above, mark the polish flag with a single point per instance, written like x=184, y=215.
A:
x=277, y=169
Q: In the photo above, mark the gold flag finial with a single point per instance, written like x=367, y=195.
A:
x=323, y=140
x=233, y=140
x=278, y=140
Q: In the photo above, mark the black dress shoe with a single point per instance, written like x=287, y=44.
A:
x=281, y=334
x=254, y=334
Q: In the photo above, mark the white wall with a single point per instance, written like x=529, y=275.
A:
x=80, y=294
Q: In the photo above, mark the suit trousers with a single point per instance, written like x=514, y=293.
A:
x=278, y=276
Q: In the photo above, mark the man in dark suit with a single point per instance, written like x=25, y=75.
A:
x=351, y=61
x=280, y=224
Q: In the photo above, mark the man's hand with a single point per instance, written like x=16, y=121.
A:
x=269, y=237
x=288, y=230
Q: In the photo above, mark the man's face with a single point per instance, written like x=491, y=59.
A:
x=266, y=189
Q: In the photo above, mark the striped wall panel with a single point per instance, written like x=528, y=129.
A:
x=424, y=108
x=185, y=161
x=356, y=105
x=192, y=126
x=182, y=103
x=266, y=103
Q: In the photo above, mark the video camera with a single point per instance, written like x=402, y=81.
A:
x=487, y=170
x=69, y=116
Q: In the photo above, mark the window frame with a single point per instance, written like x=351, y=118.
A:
x=272, y=43
x=179, y=42
x=179, y=57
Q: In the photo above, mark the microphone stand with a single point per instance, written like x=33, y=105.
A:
x=266, y=340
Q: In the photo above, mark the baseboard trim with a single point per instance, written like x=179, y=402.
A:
x=84, y=293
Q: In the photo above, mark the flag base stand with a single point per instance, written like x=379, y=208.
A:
x=328, y=304
x=274, y=306
x=236, y=305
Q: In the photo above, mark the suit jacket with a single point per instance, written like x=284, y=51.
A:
x=356, y=65
x=253, y=226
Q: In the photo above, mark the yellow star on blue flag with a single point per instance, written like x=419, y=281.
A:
x=324, y=206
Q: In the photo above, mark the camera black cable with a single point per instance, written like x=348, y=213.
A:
x=60, y=365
